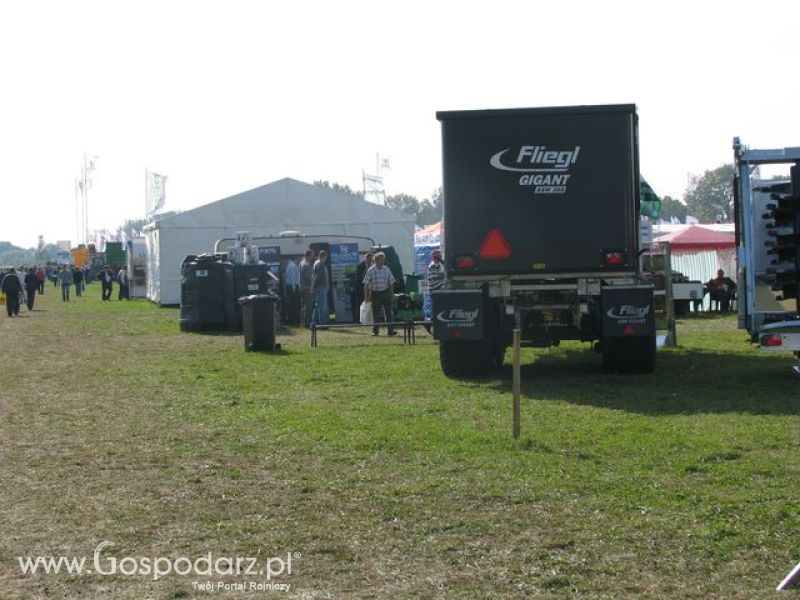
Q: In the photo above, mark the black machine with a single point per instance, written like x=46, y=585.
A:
x=541, y=214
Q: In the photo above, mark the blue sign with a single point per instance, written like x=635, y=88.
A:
x=266, y=253
x=344, y=254
x=344, y=263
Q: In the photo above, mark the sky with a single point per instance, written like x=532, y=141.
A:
x=226, y=96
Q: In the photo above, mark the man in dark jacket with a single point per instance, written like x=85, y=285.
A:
x=357, y=291
x=77, y=278
x=11, y=289
x=31, y=287
x=106, y=278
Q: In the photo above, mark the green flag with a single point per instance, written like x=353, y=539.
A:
x=649, y=204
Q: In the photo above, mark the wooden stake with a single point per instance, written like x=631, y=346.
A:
x=517, y=386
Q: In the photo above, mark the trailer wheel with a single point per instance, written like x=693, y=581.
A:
x=682, y=307
x=466, y=359
x=499, y=357
x=629, y=355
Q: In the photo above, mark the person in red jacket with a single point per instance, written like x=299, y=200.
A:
x=41, y=277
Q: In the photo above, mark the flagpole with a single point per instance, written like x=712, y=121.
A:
x=85, y=202
x=78, y=220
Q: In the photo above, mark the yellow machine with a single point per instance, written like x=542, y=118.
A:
x=80, y=256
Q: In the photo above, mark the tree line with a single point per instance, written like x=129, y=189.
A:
x=427, y=211
x=709, y=199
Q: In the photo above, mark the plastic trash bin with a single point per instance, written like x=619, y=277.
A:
x=259, y=322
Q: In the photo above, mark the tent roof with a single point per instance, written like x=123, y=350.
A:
x=695, y=237
x=288, y=203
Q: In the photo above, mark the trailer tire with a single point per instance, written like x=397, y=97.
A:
x=466, y=359
x=682, y=307
x=629, y=355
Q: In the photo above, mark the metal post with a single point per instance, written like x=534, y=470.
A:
x=516, y=371
x=790, y=580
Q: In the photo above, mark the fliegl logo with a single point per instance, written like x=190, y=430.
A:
x=545, y=169
x=629, y=312
x=458, y=315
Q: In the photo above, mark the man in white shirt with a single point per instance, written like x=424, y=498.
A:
x=291, y=287
x=379, y=291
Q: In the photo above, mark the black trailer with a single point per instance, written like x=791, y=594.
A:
x=541, y=232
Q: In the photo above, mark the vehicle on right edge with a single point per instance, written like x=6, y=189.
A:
x=768, y=248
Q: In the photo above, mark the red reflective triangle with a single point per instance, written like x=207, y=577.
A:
x=495, y=246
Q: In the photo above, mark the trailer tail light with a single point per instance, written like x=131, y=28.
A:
x=629, y=330
x=465, y=262
x=495, y=246
x=614, y=258
x=771, y=340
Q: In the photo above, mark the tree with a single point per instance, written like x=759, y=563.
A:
x=405, y=203
x=133, y=227
x=426, y=211
x=337, y=187
x=431, y=209
x=711, y=200
x=670, y=207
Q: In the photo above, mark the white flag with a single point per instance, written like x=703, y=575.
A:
x=156, y=192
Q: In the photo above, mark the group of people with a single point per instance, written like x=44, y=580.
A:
x=307, y=286
x=21, y=286
x=66, y=277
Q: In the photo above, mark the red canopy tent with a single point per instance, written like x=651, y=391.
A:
x=695, y=237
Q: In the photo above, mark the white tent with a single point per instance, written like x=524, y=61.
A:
x=284, y=205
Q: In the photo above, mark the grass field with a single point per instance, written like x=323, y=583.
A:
x=389, y=480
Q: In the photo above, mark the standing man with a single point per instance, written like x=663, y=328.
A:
x=291, y=283
x=435, y=282
x=107, y=282
x=319, y=289
x=77, y=277
x=31, y=286
x=11, y=289
x=306, y=277
x=378, y=291
x=358, y=286
x=65, y=278
x=124, y=284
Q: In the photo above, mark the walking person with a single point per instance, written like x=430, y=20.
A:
x=65, y=278
x=124, y=284
x=379, y=291
x=77, y=278
x=41, y=276
x=320, y=282
x=11, y=289
x=23, y=297
x=106, y=278
x=306, y=297
x=31, y=287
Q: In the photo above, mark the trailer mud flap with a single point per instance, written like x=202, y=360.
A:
x=628, y=312
x=458, y=314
